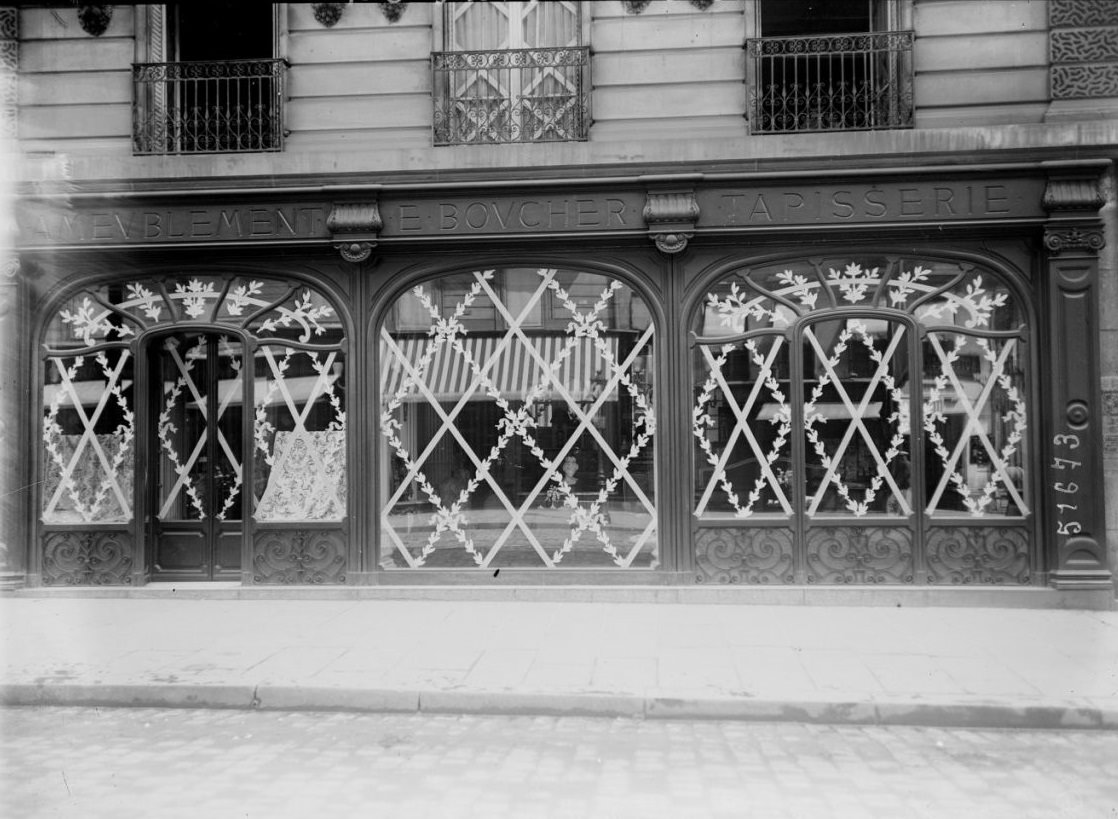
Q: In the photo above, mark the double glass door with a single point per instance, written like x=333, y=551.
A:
x=196, y=453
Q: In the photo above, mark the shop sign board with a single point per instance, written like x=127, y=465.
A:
x=745, y=206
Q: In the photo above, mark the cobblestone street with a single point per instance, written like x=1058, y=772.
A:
x=81, y=762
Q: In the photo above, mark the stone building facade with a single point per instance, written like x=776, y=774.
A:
x=779, y=296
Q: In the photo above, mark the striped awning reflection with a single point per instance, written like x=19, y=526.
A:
x=515, y=373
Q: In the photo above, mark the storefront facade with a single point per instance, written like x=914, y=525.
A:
x=672, y=379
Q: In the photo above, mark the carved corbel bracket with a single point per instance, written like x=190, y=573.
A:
x=355, y=227
x=1059, y=237
x=671, y=216
x=1072, y=199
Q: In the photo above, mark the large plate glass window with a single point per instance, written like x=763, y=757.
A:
x=272, y=347
x=517, y=423
x=870, y=417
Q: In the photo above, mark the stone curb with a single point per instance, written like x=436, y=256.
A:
x=947, y=714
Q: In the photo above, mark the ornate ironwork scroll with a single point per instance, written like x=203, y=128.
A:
x=227, y=106
x=831, y=82
x=962, y=555
x=299, y=556
x=736, y=555
x=861, y=555
x=513, y=95
x=83, y=558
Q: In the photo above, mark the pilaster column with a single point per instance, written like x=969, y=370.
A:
x=1075, y=528
x=13, y=463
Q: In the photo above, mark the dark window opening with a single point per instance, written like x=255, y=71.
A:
x=830, y=65
x=221, y=89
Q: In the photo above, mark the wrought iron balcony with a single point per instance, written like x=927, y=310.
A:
x=831, y=82
x=515, y=95
x=225, y=106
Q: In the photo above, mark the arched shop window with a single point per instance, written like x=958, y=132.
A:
x=869, y=417
x=214, y=346
x=517, y=422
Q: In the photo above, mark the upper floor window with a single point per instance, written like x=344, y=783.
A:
x=830, y=65
x=209, y=81
x=511, y=72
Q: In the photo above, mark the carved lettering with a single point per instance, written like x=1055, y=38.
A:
x=996, y=194
x=944, y=197
x=171, y=232
x=792, y=202
x=911, y=203
x=282, y=222
x=200, y=224
x=760, y=207
x=879, y=206
x=615, y=208
x=153, y=226
x=409, y=219
x=844, y=203
x=553, y=213
x=503, y=219
x=261, y=222
x=102, y=226
x=448, y=217
x=524, y=219
x=231, y=220
x=587, y=210
x=124, y=232
x=477, y=208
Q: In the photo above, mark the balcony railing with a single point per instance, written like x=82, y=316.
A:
x=227, y=106
x=516, y=95
x=831, y=82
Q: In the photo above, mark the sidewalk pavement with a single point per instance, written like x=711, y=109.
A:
x=979, y=667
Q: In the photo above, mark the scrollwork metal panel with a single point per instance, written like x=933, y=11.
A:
x=299, y=556
x=736, y=555
x=512, y=95
x=979, y=555
x=829, y=82
x=77, y=558
x=862, y=555
x=208, y=107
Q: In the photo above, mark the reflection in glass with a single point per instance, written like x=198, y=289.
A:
x=854, y=329
x=88, y=438
x=516, y=406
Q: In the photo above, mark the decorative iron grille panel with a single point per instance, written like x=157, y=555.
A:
x=87, y=558
x=227, y=106
x=738, y=555
x=511, y=95
x=831, y=82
